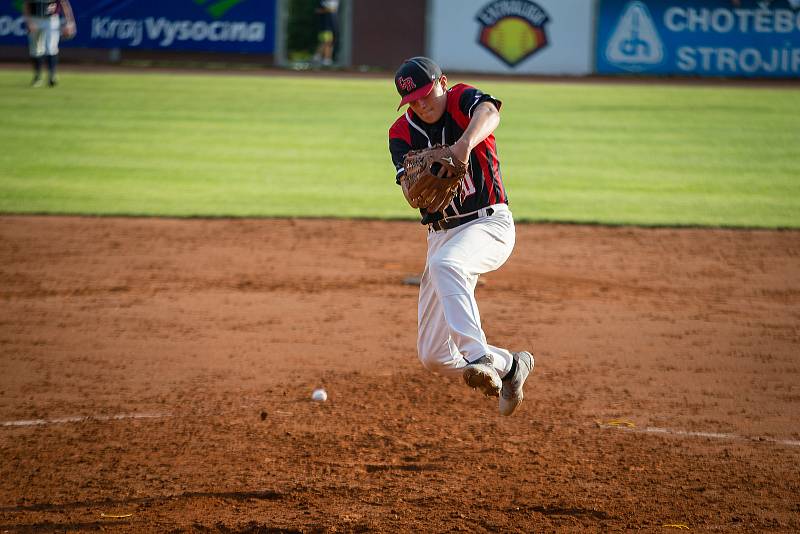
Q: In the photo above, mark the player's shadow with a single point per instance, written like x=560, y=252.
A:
x=47, y=526
x=265, y=495
x=60, y=527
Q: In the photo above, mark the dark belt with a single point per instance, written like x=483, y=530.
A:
x=453, y=222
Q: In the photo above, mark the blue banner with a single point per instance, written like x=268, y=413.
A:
x=202, y=25
x=733, y=38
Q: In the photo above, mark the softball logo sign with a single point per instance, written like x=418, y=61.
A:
x=513, y=30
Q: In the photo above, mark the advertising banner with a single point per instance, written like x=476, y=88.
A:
x=512, y=36
x=202, y=25
x=735, y=38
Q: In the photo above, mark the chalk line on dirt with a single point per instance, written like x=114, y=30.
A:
x=630, y=427
x=82, y=418
x=626, y=426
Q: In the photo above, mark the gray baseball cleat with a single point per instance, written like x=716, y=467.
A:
x=511, y=395
x=482, y=375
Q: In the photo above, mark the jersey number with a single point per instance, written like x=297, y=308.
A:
x=468, y=188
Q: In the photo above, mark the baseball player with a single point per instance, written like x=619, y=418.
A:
x=43, y=20
x=472, y=235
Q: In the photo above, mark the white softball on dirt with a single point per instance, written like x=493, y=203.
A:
x=319, y=395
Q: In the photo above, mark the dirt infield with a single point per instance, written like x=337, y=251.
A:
x=155, y=376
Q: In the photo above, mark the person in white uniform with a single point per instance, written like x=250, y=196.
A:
x=43, y=20
x=471, y=236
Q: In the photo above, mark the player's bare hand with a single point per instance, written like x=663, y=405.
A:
x=461, y=150
x=31, y=26
x=69, y=30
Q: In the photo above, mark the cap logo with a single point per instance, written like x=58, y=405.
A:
x=406, y=84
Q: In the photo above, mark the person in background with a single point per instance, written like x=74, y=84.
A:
x=327, y=12
x=43, y=20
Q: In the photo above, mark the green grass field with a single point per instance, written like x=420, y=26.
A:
x=245, y=145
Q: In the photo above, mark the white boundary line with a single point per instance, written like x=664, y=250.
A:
x=80, y=419
x=618, y=425
x=713, y=435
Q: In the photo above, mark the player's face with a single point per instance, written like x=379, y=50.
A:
x=430, y=108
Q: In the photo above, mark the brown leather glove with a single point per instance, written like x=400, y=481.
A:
x=432, y=177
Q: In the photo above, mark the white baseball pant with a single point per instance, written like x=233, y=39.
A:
x=449, y=324
x=43, y=40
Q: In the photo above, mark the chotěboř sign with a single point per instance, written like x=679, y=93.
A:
x=699, y=38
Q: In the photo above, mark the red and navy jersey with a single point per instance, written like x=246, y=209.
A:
x=483, y=185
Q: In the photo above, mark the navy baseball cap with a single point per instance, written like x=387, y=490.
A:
x=414, y=79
